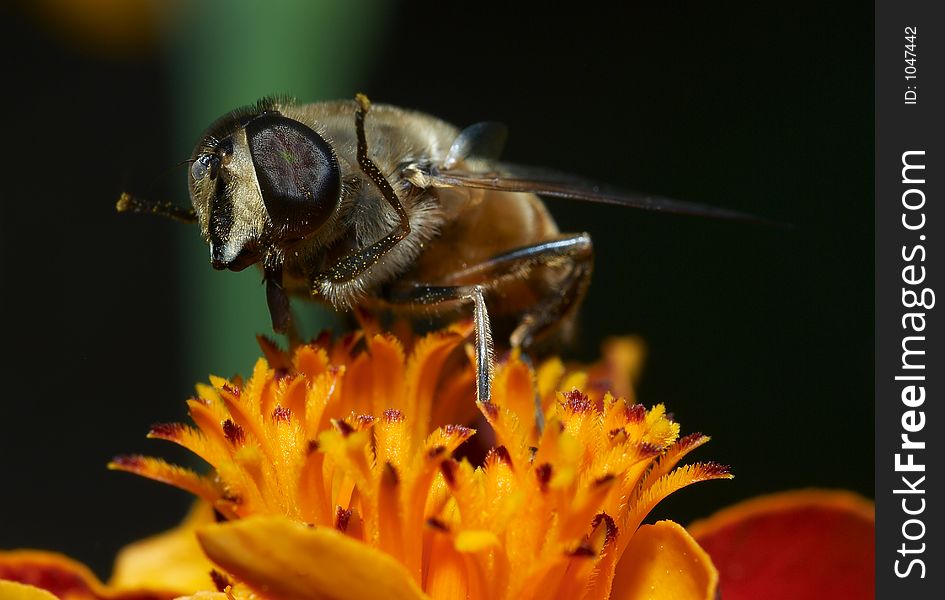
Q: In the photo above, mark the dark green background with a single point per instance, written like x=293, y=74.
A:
x=760, y=337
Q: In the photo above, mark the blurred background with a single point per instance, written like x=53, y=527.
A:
x=761, y=337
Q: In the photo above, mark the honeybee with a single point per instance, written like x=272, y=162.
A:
x=372, y=206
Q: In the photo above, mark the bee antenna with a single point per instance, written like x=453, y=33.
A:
x=128, y=203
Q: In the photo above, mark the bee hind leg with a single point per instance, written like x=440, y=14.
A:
x=423, y=294
x=570, y=255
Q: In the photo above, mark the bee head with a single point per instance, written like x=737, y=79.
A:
x=260, y=182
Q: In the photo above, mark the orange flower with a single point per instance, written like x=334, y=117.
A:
x=339, y=471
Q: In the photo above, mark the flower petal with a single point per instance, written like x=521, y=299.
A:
x=170, y=561
x=447, y=576
x=233, y=592
x=160, y=470
x=798, y=545
x=306, y=562
x=58, y=574
x=662, y=561
x=423, y=374
x=11, y=590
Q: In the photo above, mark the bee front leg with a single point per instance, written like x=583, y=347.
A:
x=431, y=295
x=352, y=265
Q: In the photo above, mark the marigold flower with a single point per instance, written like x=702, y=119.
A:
x=338, y=469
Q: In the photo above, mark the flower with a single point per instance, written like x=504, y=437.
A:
x=345, y=469
x=795, y=545
x=161, y=567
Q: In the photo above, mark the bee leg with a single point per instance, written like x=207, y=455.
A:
x=280, y=311
x=571, y=254
x=422, y=294
x=350, y=266
x=277, y=300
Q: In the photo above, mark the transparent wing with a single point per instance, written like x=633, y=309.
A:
x=483, y=140
x=515, y=178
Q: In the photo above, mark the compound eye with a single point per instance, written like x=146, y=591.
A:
x=297, y=172
x=207, y=165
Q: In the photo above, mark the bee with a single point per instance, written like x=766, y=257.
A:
x=365, y=206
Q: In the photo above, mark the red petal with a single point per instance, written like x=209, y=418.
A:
x=63, y=577
x=55, y=573
x=800, y=545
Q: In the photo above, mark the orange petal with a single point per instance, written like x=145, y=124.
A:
x=170, y=561
x=423, y=374
x=666, y=485
x=662, y=561
x=283, y=559
x=388, y=374
x=11, y=590
x=311, y=361
x=447, y=576
x=797, y=545
x=514, y=391
x=619, y=368
x=160, y=470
